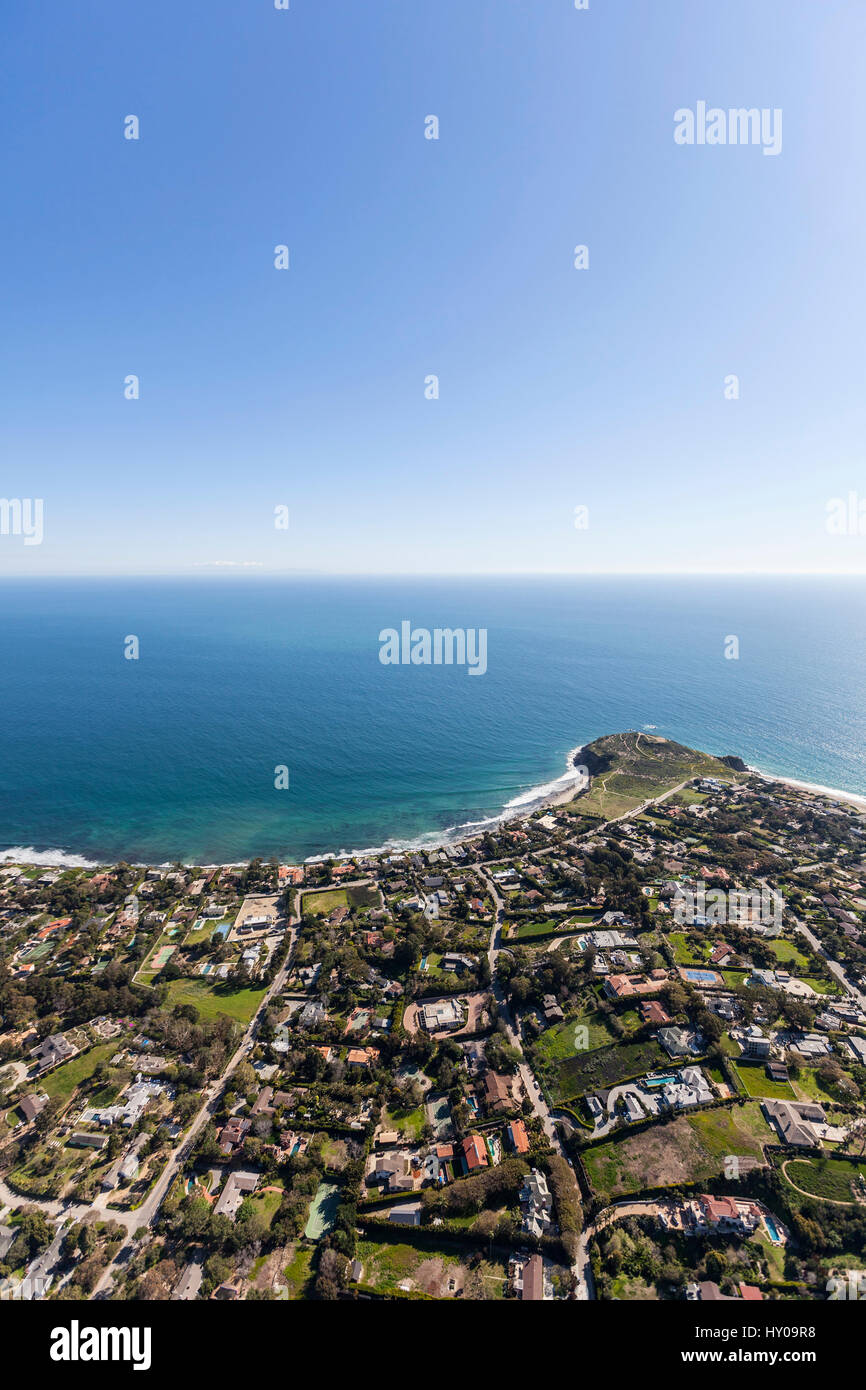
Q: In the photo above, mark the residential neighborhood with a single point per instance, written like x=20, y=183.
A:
x=606, y=1051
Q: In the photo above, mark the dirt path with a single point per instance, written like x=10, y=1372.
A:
x=834, y=1201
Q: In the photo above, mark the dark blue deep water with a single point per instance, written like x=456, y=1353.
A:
x=173, y=755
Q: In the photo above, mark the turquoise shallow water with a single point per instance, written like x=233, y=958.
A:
x=173, y=755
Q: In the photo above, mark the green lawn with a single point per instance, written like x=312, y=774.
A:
x=557, y=1043
x=199, y=934
x=822, y=986
x=63, y=1080
x=408, y=1122
x=757, y=1083
x=734, y=978
x=773, y=1253
x=786, y=952
x=542, y=931
x=298, y=1271
x=683, y=954
x=324, y=903
x=809, y=1086
x=266, y=1204
x=212, y=1000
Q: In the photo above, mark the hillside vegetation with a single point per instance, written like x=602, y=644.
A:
x=625, y=770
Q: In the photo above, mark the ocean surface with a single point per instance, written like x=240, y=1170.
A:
x=173, y=756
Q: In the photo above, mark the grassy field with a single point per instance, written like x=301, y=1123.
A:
x=787, y=953
x=408, y=1122
x=757, y=1083
x=822, y=986
x=298, y=1272
x=326, y=902
x=367, y=895
x=63, y=1080
x=683, y=953
x=198, y=934
x=734, y=978
x=606, y=1067
x=431, y=1271
x=557, y=1043
x=688, y=797
x=635, y=767
x=691, y=1148
x=538, y=931
x=212, y=1000
x=809, y=1086
x=830, y=1178
x=266, y=1204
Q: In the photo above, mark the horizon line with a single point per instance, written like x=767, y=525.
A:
x=250, y=573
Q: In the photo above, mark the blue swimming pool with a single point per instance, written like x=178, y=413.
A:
x=773, y=1229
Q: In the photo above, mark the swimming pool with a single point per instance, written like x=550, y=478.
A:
x=773, y=1230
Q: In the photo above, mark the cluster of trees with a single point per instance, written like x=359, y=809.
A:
x=233, y=1246
x=613, y=868
x=207, y=1043
x=32, y=1235
x=53, y=1001
x=630, y=1252
x=566, y=1199
x=88, y=1247
x=499, y=1186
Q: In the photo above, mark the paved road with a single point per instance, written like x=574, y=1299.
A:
x=536, y=1098
x=533, y=1091
x=147, y=1213
x=833, y=965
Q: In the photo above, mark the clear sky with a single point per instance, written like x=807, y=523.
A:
x=410, y=257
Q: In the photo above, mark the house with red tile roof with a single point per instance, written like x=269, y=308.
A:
x=517, y=1137
x=474, y=1152
x=363, y=1056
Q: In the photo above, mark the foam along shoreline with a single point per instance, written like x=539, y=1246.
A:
x=46, y=858
x=556, y=793
x=832, y=793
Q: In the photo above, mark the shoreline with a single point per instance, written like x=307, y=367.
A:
x=544, y=796
x=815, y=788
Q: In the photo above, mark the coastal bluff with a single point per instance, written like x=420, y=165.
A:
x=628, y=769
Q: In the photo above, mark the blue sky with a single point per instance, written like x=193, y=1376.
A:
x=559, y=388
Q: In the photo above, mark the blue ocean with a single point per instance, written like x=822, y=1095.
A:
x=174, y=755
